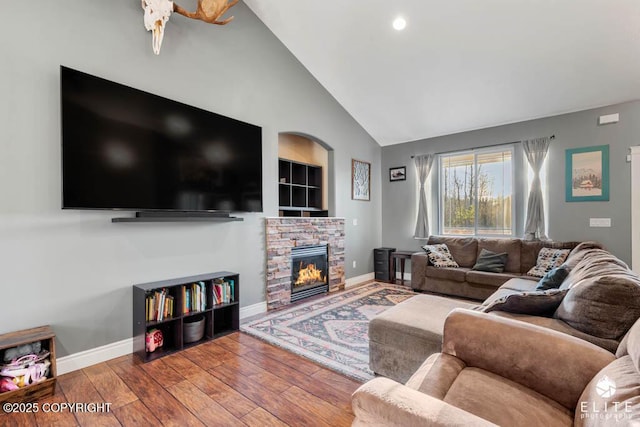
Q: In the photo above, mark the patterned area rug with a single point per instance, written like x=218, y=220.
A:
x=333, y=330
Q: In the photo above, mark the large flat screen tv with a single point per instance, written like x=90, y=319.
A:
x=123, y=148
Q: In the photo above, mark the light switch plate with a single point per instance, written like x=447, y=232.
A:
x=608, y=119
x=599, y=222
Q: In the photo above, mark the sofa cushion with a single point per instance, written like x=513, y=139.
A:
x=553, y=279
x=535, y=303
x=512, y=286
x=463, y=249
x=560, y=326
x=596, y=408
x=457, y=274
x=548, y=259
x=505, y=402
x=490, y=261
x=439, y=255
x=510, y=246
x=603, y=306
x=580, y=251
x=488, y=279
x=521, y=283
x=435, y=376
x=633, y=344
x=592, y=263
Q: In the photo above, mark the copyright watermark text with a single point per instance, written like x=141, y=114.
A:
x=55, y=407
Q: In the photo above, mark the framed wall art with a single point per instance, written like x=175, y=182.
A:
x=398, y=174
x=587, y=174
x=360, y=180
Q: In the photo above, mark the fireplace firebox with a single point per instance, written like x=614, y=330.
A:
x=309, y=271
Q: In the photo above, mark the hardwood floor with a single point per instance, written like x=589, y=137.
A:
x=234, y=380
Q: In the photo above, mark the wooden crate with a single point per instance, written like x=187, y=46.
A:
x=45, y=335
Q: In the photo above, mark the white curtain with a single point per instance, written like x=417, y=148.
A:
x=423, y=167
x=536, y=151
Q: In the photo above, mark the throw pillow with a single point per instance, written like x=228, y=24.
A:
x=605, y=306
x=548, y=259
x=553, y=279
x=490, y=261
x=534, y=303
x=439, y=255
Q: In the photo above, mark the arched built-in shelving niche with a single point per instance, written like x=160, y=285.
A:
x=305, y=176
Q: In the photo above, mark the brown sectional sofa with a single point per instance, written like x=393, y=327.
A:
x=467, y=283
x=602, y=301
x=495, y=371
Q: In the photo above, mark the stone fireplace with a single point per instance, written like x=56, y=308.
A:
x=283, y=235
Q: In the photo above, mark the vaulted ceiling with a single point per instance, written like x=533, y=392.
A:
x=462, y=64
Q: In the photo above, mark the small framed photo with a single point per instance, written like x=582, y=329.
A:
x=398, y=174
x=360, y=180
x=587, y=174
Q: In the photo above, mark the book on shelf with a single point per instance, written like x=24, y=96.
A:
x=223, y=291
x=194, y=297
x=159, y=305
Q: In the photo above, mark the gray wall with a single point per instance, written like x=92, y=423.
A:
x=74, y=269
x=566, y=221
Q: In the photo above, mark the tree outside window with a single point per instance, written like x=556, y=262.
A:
x=476, y=193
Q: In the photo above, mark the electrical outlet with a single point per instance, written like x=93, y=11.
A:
x=355, y=221
x=599, y=222
x=354, y=264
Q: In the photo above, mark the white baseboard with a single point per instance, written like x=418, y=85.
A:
x=354, y=281
x=80, y=360
x=252, y=310
x=76, y=361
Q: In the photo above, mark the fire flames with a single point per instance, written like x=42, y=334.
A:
x=309, y=274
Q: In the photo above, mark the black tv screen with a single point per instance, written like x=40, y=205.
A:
x=123, y=148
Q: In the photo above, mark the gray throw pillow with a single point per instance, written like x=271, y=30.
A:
x=553, y=279
x=490, y=261
x=535, y=303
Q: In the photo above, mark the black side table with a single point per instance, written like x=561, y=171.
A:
x=401, y=256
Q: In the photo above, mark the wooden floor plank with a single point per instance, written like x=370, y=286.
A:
x=48, y=417
x=79, y=389
x=17, y=419
x=233, y=346
x=232, y=400
x=109, y=385
x=261, y=377
x=181, y=363
x=205, y=408
x=131, y=358
x=207, y=357
x=163, y=405
x=234, y=380
x=253, y=387
x=159, y=369
x=334, y=379
x=319, y=408
x=136, y=414
x=296, y=362
x=261, y=418
x=335, y=395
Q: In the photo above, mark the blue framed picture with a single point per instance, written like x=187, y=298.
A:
x=587, y=174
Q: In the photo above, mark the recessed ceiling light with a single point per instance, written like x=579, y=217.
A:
x=399, y=23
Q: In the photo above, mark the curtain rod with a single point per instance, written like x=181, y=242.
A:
x=487, y=146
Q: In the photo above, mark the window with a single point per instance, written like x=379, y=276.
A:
x=476, y=192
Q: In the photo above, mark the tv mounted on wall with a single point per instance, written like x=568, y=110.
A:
x=126, y=149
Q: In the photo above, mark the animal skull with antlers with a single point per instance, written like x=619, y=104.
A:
x=157, y=12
